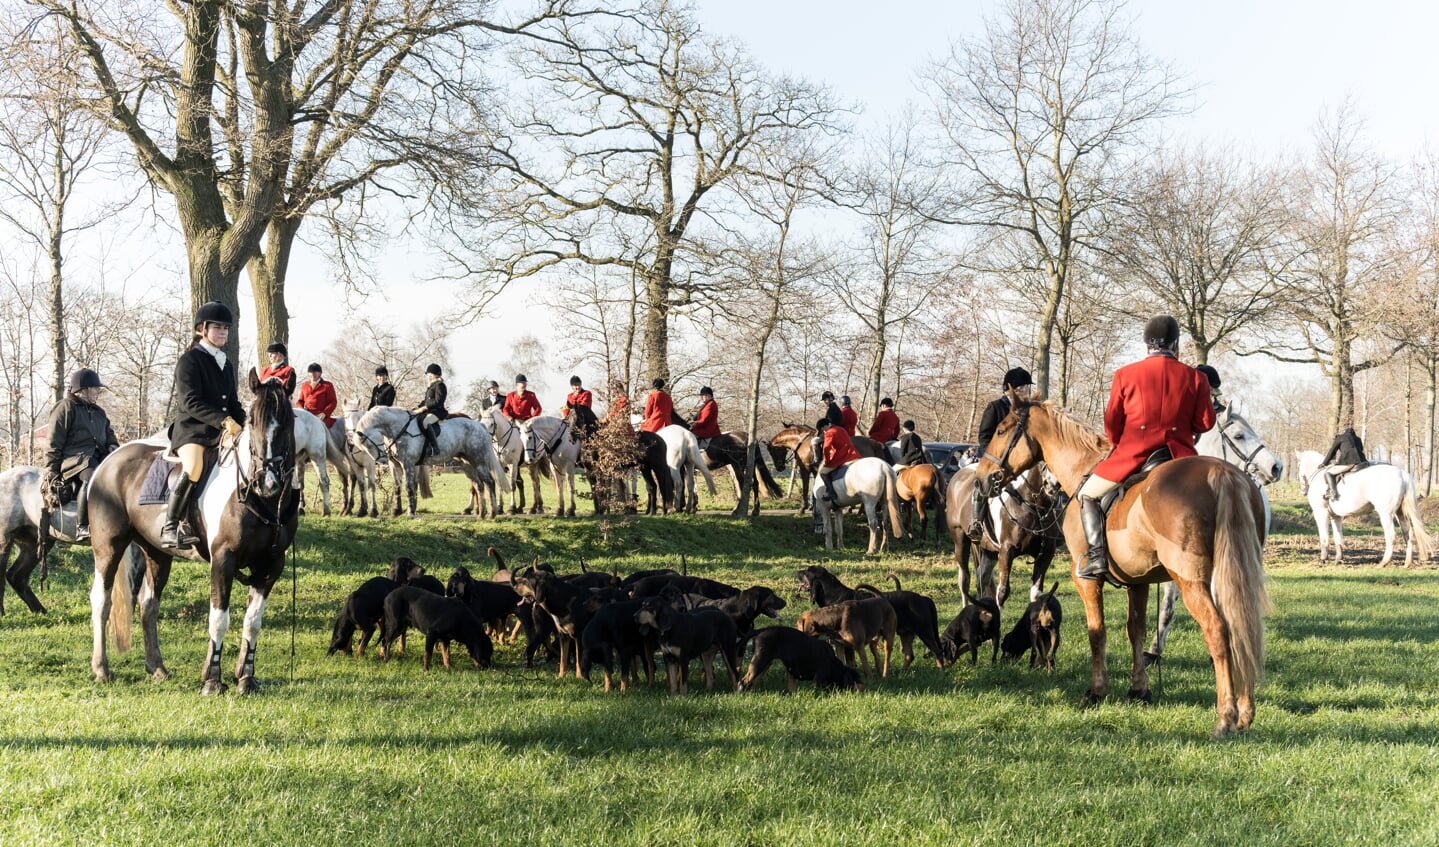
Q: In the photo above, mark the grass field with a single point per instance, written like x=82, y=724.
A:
x=1344, y=750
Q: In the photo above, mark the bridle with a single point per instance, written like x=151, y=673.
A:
x=280, y=465
x=1005, y=472
x=1229, y=443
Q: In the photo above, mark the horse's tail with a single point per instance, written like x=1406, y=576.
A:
x=1409, y=508
x=697, y=458
x=769, y=482
x=1238, y=580
x=422, y=476
x=891, y=499
x=122, y=599
x=497, y=470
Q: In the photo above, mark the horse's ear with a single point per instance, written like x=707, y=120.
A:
x=254, y=381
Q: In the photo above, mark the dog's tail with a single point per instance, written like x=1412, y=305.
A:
x=864, y=586
x=1238, y=581
x=894, y=577
x=1414, y=520
x=891, y=499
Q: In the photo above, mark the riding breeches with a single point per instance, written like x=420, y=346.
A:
x=428, y=420
x=192, y=459
x=1096, y=486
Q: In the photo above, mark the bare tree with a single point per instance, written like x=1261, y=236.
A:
x=634, y=117
x=1040, y=111
x=351, y=360
x=22, y=335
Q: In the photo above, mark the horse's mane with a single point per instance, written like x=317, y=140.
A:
x=1074, y=433
x=270, y=402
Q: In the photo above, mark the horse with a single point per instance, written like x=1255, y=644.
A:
x=1233, y=440
x=1386, y=489
x=398, y=432
x=729, y=451
x=546, y=445
x=510, y=450
x=21, y=508
x=800, y=441
x=866, y=481
x=1026, y=517
x=324, y=447
x=682, y=454
x=919, y=487
x=1194, y=520
x=248, y=512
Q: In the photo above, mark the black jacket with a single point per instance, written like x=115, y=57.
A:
x=495, y=400
x=78, y=428
x=995, y=412
x=206, y=395
x=382, y=395
x=1347, y=449
x=435, y=399
x=911, y=449
x=834, y=415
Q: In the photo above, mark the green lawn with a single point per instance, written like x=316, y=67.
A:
x=1345, y=747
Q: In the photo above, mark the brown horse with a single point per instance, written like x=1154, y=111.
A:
x=800, y=441
x=1030, y=514
x=1194, y=520
x=920, y=487
x=248, y=513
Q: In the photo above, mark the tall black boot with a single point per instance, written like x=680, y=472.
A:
x=828, y=480
x=1333, y=487
x=432, y=445
x=976, y=525
x=175, y=510
x=82, y=513
x=1096, y=561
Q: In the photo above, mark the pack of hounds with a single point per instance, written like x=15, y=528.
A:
x=588, y=618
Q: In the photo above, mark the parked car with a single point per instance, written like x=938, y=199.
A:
x=948, y=456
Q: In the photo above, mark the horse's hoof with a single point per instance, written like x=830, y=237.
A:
x=212, y=687
x=1223, y=729
x=160, y=674
x=1144, y=697
x=104, y=675
x=246, y=685
x=1090, y=699
x=1151, y=658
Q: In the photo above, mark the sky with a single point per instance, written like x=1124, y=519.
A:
x=1263, y=72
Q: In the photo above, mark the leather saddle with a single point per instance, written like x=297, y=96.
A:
x=1157, y=458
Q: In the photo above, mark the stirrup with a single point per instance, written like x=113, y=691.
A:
x=82, y=533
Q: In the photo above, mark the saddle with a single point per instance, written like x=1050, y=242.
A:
x=1157, y=458
x=163, y=472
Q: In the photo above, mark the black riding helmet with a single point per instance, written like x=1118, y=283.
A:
x=1210, y=374
x=575, y=380
x=433, y=368
x=382, y=371
x=1016, y=378
x=84, y=378
x=214, y=312
x=1162, y=331
x=277, y=347
x=707, y=392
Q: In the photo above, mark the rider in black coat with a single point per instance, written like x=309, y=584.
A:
x=911, y=448
x=432, y=410
x=1017, y=387
x=80, y=436
x=1344, y=454
x=383, y=394
x=832, y=412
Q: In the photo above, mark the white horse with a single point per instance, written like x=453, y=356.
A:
x=867, y=482
x=398, y=431
x=543, y=444
x=1233, y=440
x=683, y=455
x=1386, y=489
x=364, y=460
x=324, y=447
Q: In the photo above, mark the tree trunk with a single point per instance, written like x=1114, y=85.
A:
x=57, y=306
x=1431, y=369
x=268, y=271
x=1046, y=331
x=657, y=327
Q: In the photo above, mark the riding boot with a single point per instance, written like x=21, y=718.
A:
x=82, y=514
x=1093, y=519
x=976, y=525
x=174, y=511
x=1333, y=493
x=828, y=480
x=432, y=445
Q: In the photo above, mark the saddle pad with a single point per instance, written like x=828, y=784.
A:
x=156, y=487
x=839, y=474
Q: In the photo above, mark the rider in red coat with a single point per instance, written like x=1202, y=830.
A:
x=318, y=396
x=521, y=404
x=579, y=408
x=659, y=408
x=886, y=423
x=850, y=416
x=1153, y=403
x=279, y=368
x=706, y=425
x=838, y=451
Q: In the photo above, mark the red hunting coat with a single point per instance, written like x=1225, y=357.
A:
x=318, y=398
x=851, y=419
x=659, y=409
x=521, y=407
x=580, y=398
x=885, y=426
x=1156, y=402
x=706, y=423
x=838, y=449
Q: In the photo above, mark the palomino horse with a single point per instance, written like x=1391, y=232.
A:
x=682, y=454
x=1386, y=489
x=1026, y=517
x=869, y=481
x=398, y=431
x=248, y=512
x=1194, y=520
x=324, y=447
x=919, y=487
x=800, y=441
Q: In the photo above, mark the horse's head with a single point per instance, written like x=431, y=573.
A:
x=271, y=434
x=1009, y=452
x=1243, y=448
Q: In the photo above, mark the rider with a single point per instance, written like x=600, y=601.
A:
x=1345, y=453
x=582, y=403
x=521, y=404
x=911, y=449
x=1017, y=387
x=493, y=397
x=432, y=410
x=1154, y=403
x=886, y=423
x=209, y=407
x=317, y=396
x=706, y=424
x=1213, y=376
x=838, y=451
x=849, y=416
x=80, y=436
x=279, y=368
x=659, y=408
x=383, y=394
x=832, y=412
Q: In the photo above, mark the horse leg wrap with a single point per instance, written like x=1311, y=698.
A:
x=211, y=678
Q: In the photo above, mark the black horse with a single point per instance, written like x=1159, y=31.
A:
x=728, y=451
x=247, y=514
